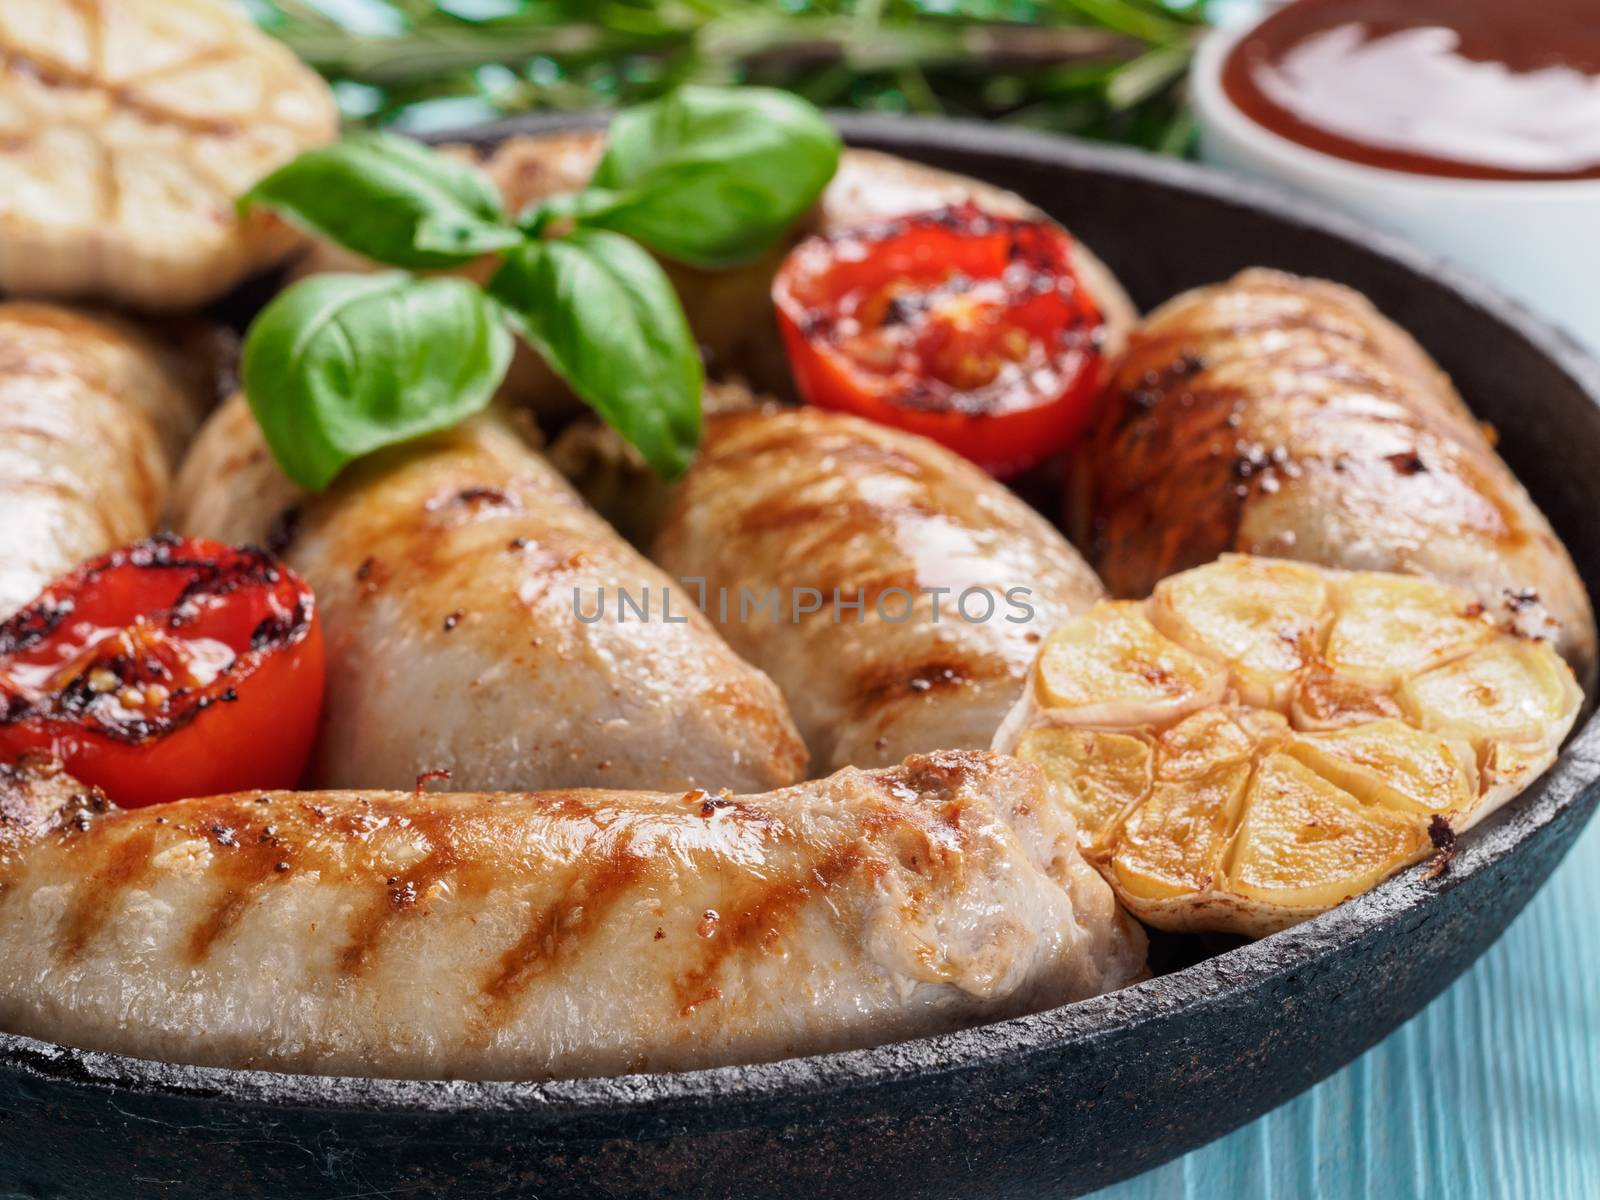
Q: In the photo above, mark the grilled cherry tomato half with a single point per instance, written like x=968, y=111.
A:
x=172, y=667
x=971, y=329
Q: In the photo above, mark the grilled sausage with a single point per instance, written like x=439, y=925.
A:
x=1283, y=416
x=731, y=310
x=798, y=499
x=470, y=605
x=561, y=934
x=93, y=414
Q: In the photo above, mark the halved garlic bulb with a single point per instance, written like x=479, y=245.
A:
x=1261, y=740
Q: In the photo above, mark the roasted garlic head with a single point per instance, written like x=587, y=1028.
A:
x=1262, y=739
x=127, y=130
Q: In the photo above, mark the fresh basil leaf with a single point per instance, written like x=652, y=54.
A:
x=564, y=207
x=340, y=365
x=390, y=199
x=712, y=176
x=602, y=313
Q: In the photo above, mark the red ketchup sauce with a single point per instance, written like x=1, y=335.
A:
x=1474, y=89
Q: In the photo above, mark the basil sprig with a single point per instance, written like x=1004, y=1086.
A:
x=391, y=200
x=712, y=177
x=341, y=365
x=338, y=366
x=603, y=315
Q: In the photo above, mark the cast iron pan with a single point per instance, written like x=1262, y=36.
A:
x=1044, y=1106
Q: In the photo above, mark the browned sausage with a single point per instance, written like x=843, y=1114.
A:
x=807, y=504
x=457, y=577
x=1283, y=416
x=93, y=414
x=550, y=934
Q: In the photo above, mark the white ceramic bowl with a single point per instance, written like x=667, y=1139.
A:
x=1540, y=241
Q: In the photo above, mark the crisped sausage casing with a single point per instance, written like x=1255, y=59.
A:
x=473, y=612
x=556, y=934
x=1283, y=416
x=952, y=580
x=93, y=415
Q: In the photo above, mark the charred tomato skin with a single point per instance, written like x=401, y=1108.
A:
x=970, y=329
x=168, y=668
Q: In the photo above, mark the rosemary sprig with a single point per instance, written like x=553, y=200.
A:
x=1108, y=69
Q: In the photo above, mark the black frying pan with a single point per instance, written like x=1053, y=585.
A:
x=1047, y=1105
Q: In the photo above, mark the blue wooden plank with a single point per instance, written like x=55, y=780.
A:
x=1491, y=1093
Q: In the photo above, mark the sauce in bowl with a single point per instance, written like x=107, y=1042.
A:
x=1472, y=89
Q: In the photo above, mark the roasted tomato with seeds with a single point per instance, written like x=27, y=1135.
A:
x=169, y=668
x=970, y=329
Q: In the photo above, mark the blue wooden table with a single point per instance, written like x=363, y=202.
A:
x=1491, y=1093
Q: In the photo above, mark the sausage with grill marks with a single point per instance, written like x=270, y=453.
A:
x=956, y=579
x=1287, y=417
x=473, y=621
x=93, y=415
x=558, y=934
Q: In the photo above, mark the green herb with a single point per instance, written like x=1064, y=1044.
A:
x=341, y=365
x=390, y=199
x=604, y=316
x=1073, y=66
x=712, y=177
